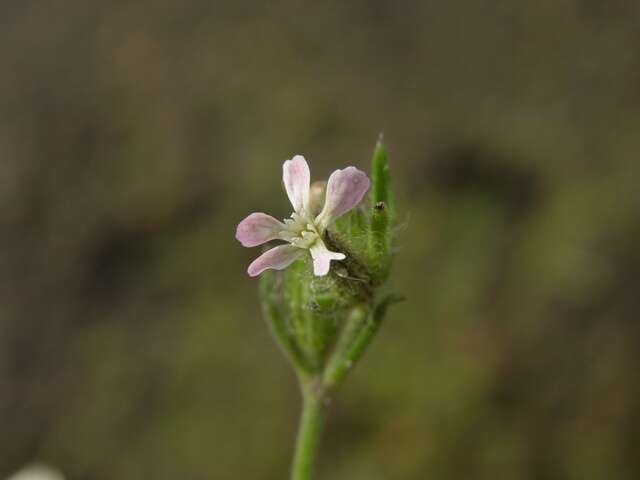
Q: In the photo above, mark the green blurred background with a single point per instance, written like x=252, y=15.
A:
x=135, y=135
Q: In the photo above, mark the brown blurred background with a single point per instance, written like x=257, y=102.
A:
x=135, y=135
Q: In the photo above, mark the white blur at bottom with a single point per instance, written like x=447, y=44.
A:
x=36, y=472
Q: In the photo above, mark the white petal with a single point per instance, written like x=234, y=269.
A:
x=345, y=190
x=257, y=229
x=296, y=178
x=322, y=258
x=277, y=258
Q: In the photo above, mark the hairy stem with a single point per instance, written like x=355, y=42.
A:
x=309, y=432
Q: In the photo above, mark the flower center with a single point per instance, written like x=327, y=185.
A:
x=300, y=231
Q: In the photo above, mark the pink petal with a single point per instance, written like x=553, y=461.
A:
x=296, y=178
x=277, y=258
x=345, y=190
x=257, y=229
x=322, y=258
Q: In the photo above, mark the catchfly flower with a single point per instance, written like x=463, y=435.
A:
x=324, y=323
x=304, y=230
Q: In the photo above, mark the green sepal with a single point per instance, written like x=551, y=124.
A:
x=382, y=201
x=355, y=337
x=381, y=190
x=314, y=308
x=275, y=313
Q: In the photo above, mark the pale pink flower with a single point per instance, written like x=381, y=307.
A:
x=303, y=231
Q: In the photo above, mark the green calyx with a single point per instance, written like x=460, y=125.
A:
x=324, y=324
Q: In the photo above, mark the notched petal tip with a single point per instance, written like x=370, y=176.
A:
x=297, y=178
x=278, y=258
x=320, y=269
x=322, y=257
x=258, y=228
x=345, y=190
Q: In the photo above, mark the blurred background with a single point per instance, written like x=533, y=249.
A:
x=135, y=135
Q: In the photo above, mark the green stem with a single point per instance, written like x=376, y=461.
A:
x=309, y=431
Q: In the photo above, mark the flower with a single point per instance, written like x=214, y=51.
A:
x=304, y=230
